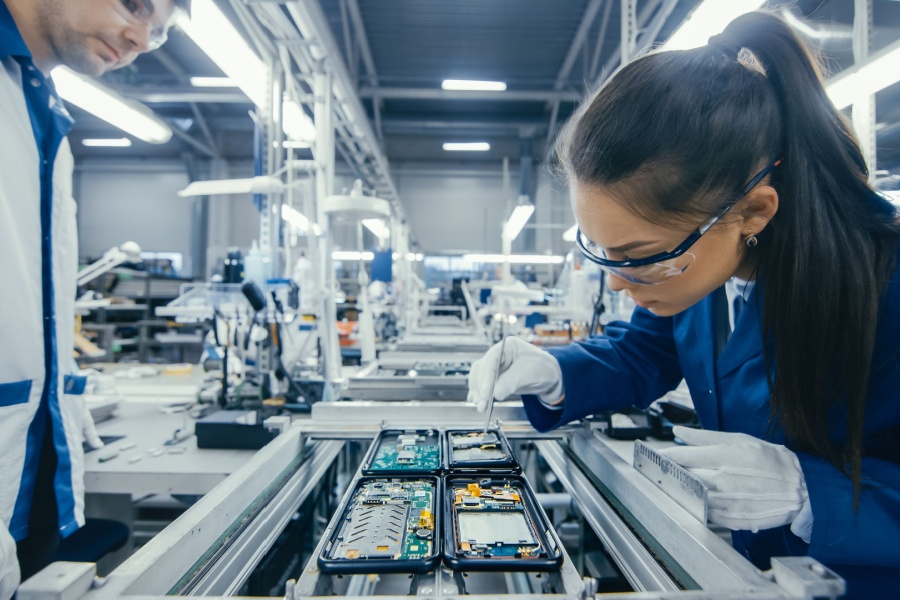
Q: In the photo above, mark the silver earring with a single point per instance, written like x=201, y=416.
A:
x=751, y=240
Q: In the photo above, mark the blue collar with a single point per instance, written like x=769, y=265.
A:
x=11, y=42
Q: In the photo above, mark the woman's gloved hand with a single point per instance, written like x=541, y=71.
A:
x=753, y=484
x=523, y=369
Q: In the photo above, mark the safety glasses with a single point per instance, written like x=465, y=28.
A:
x=663, y=266
x=140, y=12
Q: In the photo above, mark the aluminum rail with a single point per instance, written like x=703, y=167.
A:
x=242, y=507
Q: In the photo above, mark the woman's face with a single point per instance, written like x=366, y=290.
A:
x=718, y=255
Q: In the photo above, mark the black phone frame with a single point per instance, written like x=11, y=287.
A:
x=366, y=566
x=509, y=467
x=547, y=536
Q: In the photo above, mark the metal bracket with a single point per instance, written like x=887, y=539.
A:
x=805, y=577
x=683, y=487
x=59, y=581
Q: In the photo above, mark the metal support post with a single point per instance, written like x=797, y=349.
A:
x=324, y=155
x=864, y=107
x=628, y=29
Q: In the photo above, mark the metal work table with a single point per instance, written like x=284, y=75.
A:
x=189, y=471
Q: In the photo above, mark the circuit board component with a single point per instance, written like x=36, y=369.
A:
x=401, y=452
x=477, y=447
x=491, y=520
x=385, y=520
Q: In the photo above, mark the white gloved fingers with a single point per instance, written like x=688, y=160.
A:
x=482, y=374
x=707, y=437
x=89, y=430
x=714, y=457
x=753, y=520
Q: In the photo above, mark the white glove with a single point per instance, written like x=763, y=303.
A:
x=89, y=429
x=524, y=369
x=10, y=576
x=752, y=484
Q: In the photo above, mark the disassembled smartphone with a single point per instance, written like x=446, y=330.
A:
x=495, y=524
x=476, y=451
x=442, y=369
x=385, y=526
x=404, y=452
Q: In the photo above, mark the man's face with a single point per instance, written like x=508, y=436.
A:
x=96, y=36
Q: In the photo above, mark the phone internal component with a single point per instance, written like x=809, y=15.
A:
x=385, y=521
x=492, y=521
x=399, y=452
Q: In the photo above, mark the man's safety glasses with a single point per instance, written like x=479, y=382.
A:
x=141, y=12
x=663, y=266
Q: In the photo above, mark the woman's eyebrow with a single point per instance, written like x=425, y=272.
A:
x=629, y=246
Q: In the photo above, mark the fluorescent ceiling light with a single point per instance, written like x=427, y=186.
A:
x=291, y=144
x=569, y=234
x=213, y=82
x=471, y=85
x=296, y=123
x=517, y=220
x=515, y=259
x=467, y=146
x=214, y=187
x=131, y=117
x=218, y=38
x=294, y=217
x=709, y=18
x=892, y=195
x=107, y=142
x=350, y=255
x=859, y=82
x=378, y=228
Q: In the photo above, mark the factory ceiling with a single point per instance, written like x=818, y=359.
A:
x=549, y=53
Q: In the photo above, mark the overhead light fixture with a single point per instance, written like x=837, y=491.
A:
x=861, y=81
x=295, y=218
x=213, y=82
x=515, y=259
x=471, y=85
x=378, y=228
x=106, y=142
x=254, y=185
x=292, y=144
x=570, y=233
x=892, y=195
x=131, y=117
x=467, y=146
x=217, y=37
x=296, y=123
x=517, y=220
x=351, y=255
x=709, y=18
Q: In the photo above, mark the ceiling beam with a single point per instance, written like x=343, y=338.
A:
x=608, y=68
x=581, y=34
x=578, y=43
x=386, y=93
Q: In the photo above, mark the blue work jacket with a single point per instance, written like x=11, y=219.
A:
x=637, y=362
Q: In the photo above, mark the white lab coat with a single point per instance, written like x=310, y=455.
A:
x=22, y=371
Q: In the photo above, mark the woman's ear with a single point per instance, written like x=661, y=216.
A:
x=757, y=208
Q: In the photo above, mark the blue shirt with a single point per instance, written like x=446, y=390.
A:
x=50, y=123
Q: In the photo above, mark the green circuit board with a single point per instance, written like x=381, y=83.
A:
x=408, y=451
x=387, y=519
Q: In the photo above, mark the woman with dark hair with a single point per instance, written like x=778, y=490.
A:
x=721, y=189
